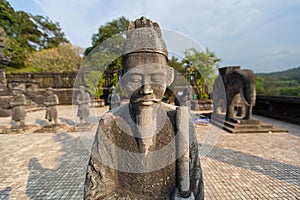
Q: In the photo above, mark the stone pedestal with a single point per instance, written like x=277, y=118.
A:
x=241, y=126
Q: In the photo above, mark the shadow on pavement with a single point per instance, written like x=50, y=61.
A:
x=4, y=194
x=41, y=122
x=67, y=180
x=67, y=121
x=281, y=171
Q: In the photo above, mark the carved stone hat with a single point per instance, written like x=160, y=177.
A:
x=143, y=35
x=49, y=89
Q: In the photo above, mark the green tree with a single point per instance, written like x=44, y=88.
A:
x=107, y=31
x=202, y=67
x=51, y=33
x=94, y=81
x=27, y=33
x=176, y=64
x=260, y=88
x=7, y=17
x=62, y=58
x=104, y=54
x=181, y=78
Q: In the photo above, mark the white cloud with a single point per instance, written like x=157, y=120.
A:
x=238, y=31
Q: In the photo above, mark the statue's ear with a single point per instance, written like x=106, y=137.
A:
x=170, y=76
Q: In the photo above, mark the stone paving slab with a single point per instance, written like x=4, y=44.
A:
x=250, y=166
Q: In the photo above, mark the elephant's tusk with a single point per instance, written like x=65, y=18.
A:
x=243, y=97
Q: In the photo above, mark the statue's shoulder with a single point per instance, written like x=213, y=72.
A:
x=111, y=115
x=22, y=96
x=106, y=118
x=171, y=112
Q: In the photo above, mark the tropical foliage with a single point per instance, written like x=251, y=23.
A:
x=106, y=50
x=203, y=69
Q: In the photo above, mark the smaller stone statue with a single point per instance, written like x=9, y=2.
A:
x=51, y=100
x=83, y=99
x=18, y=108
x=184, y=98
x=114, y=99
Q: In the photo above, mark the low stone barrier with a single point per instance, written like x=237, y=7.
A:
x=201, y=104
x=286, y=108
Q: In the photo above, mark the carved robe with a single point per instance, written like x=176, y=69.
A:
x=18, y=110
x=119, y=168
x=51, y=112
x=114, y=101
x=83, y=105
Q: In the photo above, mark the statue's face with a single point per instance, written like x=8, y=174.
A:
x=49, y=92
x=147, y=78
x=15, y=92
x=81, y=89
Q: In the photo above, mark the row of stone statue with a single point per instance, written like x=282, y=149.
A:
x=144, y=149
x=18, y=104
x=51, y=100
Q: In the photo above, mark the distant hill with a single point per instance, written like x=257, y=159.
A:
x=290, y=74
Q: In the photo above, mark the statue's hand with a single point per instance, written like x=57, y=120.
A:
x=181, y=196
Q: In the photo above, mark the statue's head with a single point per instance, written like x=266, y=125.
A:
x=145, y=73
x=17, y=91
x=81, y=89
x=49, y=90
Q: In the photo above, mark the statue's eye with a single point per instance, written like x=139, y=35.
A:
x=157, y=78
x=135, y=79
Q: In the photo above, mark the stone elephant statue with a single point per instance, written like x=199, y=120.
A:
x=239, y=81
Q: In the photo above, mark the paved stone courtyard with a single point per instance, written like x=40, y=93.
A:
x=245, y=166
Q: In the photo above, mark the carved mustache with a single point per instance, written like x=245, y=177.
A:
x=140, y=100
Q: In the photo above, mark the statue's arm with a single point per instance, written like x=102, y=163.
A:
x=102, y=176
x=56, y=100
x=109, y=98
x=86, y=98
x=77, y=99
x=52, y=102
x=118, y=98
x=196, y=178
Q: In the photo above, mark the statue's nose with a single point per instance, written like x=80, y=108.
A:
x=146, y=89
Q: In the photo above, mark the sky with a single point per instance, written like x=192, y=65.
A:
x=262, y=35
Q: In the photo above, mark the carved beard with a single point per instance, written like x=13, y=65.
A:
x=146, y=126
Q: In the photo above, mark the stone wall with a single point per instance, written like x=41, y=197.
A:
x=286, y=108
x=59, y=80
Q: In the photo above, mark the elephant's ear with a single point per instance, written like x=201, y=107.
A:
x=238, y=74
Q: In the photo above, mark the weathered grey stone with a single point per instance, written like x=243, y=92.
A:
x=50, y=101
x=145, y=149
x=113, y=99
x=83, y=100
x=18, y=103
x=239, y=85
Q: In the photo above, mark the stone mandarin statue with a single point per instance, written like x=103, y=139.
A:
x=114, y=99
x=83, y=99
x=18, y=108
x=139, y=151
x=51, y=100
